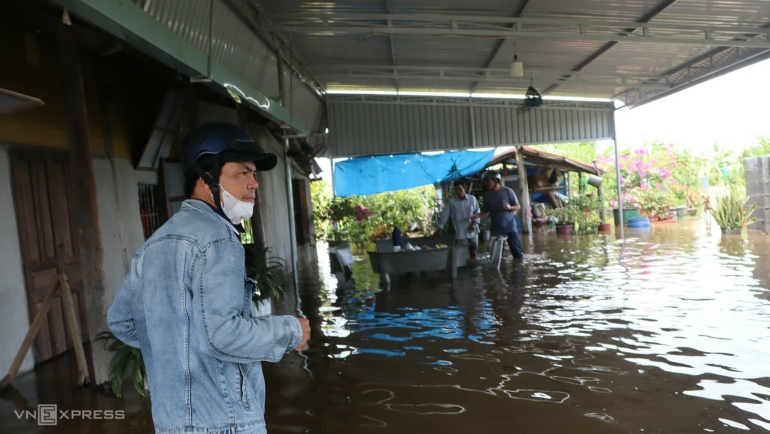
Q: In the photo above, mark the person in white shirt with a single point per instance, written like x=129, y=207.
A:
x=460, y=207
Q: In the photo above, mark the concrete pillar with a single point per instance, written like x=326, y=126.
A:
x=758, y=191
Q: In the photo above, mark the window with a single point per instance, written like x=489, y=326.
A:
x=148, y=208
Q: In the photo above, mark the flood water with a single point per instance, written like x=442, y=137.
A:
x=667, y=331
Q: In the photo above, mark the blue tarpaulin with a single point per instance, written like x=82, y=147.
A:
x=363, y=176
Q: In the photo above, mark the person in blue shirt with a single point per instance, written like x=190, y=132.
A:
x=460, y=207
x=501, y=204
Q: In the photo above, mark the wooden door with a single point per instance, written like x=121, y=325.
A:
x=43, y=202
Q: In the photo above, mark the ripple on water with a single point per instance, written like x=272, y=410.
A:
x=551, y=396
x=583, y=314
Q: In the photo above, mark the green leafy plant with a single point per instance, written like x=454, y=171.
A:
x=569, y=214
x=359, y=218
x=124, y=358
x=532, y=99
x=267, y=271
x=732, y=211
x=586, y=226
x=656, y=201
x=586, y=214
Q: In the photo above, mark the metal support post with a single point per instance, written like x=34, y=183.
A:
x=617, y=177
x=292, y=224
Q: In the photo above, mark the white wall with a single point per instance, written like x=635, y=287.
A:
x=121, y=222
x=14, y=312
x=273, y=199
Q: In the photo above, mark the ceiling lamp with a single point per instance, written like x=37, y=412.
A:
x=517, y=68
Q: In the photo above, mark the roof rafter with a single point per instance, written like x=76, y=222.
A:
x=498, y=75
x=499, y=27
x=500, y=44
x=645, y=19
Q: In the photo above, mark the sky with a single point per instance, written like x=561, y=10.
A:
x=730, y=110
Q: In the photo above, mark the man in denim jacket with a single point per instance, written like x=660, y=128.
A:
x=186, y=302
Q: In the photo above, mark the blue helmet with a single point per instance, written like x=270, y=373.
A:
x=224, y=142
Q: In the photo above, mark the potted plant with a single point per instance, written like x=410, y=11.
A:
x=532, y=99
x=630, y=208
x=567, y=217
x=732, y=213
x=268, y=273
x=655, y=203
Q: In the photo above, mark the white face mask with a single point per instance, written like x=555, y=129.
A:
x=235, y=210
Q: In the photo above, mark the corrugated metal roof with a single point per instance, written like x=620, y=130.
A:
x=371, y=125
x=545, y=159
x=236, y=46
x=677, y=22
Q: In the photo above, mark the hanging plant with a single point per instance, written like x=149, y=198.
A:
x=532, y=99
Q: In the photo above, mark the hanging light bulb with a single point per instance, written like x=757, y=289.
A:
x=517, y=68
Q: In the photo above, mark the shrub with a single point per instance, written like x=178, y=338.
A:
x=731, y=212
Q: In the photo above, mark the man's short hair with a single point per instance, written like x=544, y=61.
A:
x=492, y=174
x=460, y=182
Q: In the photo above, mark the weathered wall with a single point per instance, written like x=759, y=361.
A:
x=133, y=96
x=14, y=313
x=121, y=221
x=758, y=190
x=121, y=234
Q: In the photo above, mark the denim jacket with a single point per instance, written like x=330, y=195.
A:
x=186, y=303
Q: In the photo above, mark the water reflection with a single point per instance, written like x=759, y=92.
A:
x=666, y=330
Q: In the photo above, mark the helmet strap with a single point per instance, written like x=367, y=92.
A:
x=211, y=181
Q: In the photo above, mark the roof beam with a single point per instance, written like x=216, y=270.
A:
x=392, y=47
x=472, y=73
x=645, y=19
x=522, y=82
x=713, y=64
x=703, y=68
x=500, y=44
x=499, y=27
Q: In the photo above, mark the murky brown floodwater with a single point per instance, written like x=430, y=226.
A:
x=665, y=332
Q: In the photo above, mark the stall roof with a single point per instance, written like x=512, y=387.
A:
x=545, y=159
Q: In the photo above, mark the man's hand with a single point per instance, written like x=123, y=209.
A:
x=472, y=227
x=439, y=231
x=305, y=333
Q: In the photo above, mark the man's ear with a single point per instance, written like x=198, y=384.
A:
x=204, y=186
